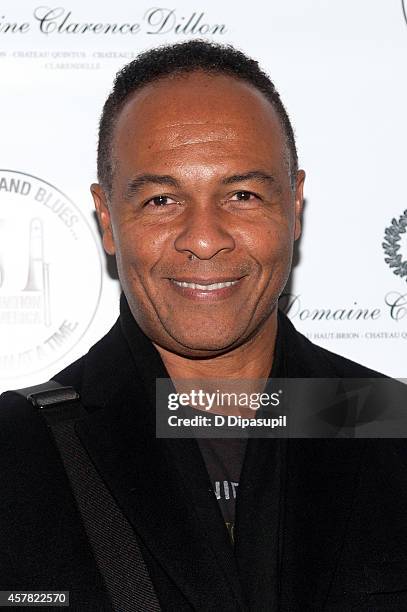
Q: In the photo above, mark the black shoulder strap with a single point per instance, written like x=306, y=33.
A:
x=112, y=538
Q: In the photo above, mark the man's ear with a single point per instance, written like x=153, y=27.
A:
x=299, y=201
x=103, y=214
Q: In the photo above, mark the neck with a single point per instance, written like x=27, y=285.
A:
x=251, y=360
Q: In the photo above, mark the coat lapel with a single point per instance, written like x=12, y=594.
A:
x=161, y=485
x=321, y=477
x=321, y=482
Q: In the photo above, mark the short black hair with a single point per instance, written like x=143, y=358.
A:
x=185, y=57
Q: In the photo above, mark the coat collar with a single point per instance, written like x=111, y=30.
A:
x=294, y=499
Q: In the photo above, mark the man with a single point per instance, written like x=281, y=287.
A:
x=200, y=199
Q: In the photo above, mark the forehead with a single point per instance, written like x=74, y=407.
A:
x=206, y=115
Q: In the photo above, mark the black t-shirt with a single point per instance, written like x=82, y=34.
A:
x=224, y=457
x=224, y=460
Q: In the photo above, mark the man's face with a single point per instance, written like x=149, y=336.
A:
x=202, y=216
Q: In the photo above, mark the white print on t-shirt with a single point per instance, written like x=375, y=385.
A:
x=225, y=488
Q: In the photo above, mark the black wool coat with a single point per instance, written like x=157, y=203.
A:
x=321, y=524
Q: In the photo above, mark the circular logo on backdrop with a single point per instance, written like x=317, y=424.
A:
x=394, y=241
x=50, y=274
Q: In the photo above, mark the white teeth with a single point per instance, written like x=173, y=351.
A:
x=205, y=287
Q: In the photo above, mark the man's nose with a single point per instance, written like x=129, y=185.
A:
x=205, y=232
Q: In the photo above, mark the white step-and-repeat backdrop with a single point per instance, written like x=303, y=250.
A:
x=341, y=68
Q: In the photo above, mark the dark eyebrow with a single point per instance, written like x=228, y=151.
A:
x=258, y=175
x=138, y=182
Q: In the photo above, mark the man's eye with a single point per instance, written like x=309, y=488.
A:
x=243, y=196
x=160, y=200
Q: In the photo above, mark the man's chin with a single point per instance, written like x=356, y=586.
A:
x=202, y=345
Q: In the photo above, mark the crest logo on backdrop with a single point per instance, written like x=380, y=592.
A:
x=50, y=274
x=394, y=301
x=393, y=242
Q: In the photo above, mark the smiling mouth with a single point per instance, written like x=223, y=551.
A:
x=205, y=287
